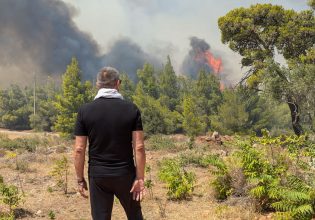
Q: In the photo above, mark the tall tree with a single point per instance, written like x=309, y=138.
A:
x=156, y=117
x=207, y=89
x=45, y=111
x=127, y=88
x=232, y=116
x=194, y=122
x=147, y=80
x=260, y=114
x=256, y=33
x=168, y=86
x=74, y=94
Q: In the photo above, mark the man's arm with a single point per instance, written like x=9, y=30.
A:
x=79, y=159
x=139, y=154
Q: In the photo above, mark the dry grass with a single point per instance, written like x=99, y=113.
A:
x=42, y=196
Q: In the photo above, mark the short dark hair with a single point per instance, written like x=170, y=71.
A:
x=107, y=77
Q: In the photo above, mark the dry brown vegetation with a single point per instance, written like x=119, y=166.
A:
x=42, y=196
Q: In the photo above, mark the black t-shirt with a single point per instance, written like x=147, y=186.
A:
x=108, y=123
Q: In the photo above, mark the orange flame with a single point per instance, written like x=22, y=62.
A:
x=215, y=64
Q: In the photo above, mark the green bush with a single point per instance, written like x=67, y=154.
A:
x=29, y=144
x=160, y=142
x=274, y=184
x=10, y=196
x=180, y=183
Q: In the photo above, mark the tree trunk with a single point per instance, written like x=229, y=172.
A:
x=295, y=116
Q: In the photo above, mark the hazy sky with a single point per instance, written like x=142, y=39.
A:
x=164, y=27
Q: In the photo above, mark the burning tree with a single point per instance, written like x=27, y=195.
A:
x=201, y=58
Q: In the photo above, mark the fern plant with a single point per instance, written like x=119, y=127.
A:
x=273, y=184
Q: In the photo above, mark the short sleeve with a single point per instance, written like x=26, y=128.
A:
x=80, y=129
x=138, y=122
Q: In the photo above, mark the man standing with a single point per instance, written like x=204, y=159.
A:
x=113, y=128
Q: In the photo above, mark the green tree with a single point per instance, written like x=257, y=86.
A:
x=311, y=3
x=231, y=117
x=15, y=108
x=299, y=86
x=73, y=95
x=148, y=81
x=45, y=112
x=156, y=117
x=127, y=88
x=260, y=111
x=207, y=89
x=193, y=121
x=256, y=33
x=168, y=86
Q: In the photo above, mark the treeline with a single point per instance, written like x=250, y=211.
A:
x=271, y=95
x=169, y=103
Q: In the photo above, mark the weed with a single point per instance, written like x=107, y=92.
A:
x=50, y=189
x=148, y=182
x=51, y=214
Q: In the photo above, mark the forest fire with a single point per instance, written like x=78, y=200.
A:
x=207, y=58
x=200, y=57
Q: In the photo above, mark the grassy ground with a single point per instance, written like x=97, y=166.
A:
x=42, y=196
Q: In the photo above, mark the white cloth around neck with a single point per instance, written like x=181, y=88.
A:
x=108, y=93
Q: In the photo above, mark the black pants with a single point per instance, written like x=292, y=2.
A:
x=102, y=191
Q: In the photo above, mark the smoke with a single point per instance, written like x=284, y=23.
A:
x=128, y=57
x=199, y=57
x=41, y=36
x=43, y=33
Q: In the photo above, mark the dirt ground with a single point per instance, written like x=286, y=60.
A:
x=43, y=196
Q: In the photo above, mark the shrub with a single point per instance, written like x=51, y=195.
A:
x=60, y=173
x=10, y=196
x=29, y=144
x=180, y=183
x=274, y=185
x=223, y=182
x=160, y=142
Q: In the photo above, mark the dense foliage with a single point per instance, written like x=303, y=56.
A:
x=172, y=103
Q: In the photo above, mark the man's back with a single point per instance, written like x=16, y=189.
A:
x=108, y=123
x=114, y=129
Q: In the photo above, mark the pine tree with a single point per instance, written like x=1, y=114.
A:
x=15, y=108
x=231, y=116
x=46, y=112
x=207, y=89
x=148, y=81
x=156, y=118
x=168, y=86
x=127, y=88
x=73, y=95
x=193, y=122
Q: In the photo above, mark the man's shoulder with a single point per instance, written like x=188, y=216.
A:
x=98, y=101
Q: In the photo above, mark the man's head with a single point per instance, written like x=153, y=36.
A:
x=108, y=77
